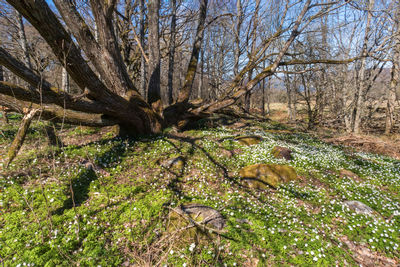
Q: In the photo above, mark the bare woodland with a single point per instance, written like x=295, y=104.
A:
x=148, y=65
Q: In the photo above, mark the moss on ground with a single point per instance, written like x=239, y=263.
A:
x=57, y=212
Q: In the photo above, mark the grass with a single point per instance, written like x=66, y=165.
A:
x=57, y=212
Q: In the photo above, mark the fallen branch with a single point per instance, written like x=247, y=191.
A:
x=20, y=136
x=57, y=114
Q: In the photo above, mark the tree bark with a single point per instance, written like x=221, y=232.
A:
x=185, y=91
x=362, y=84
x=289, y=87
x=247, y=96
x=154, y=89
x=131, y=110
x=20, y=136
x=3, y=110
x=142, y=58
x=65, y=86
x=171, y=55
x=253, y=38
x=200, y=88
x=57, y=114
x=113, y=92
x=22, y=39
x=239, y=20
x=395, y=76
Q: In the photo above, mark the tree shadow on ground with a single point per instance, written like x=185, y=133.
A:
x=79, y=186
x=78, y=190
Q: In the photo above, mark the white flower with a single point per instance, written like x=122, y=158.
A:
x=192, y=246
x=315, y=259
x=171, y=252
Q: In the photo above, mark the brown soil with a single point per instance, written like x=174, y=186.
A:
x=365, y=257
x=369, y=144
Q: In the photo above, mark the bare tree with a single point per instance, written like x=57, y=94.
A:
x=395, y=76
x=110, y=96
x=171, y=54
x=142, y=58
x=362, y=85
x=154, y=88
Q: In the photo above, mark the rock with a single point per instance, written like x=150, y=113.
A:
x=260, y=176
x=359, y=207
x=177, y=163
x=249, y=140
x=189, y=220
x=282, y=153
x=203, y=215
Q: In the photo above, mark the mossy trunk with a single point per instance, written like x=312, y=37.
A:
x=20, y=136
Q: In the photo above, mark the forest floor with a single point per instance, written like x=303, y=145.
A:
x=105, y=201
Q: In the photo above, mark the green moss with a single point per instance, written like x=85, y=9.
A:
x=125, y=216
x=260, y=176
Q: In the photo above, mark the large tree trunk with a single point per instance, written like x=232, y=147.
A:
x=171, y=55
x=115, y=92
x=177, y=113
x=253, y=38
x=362, y=84
x=142, y=58
x=185, y=91
x=154, y=89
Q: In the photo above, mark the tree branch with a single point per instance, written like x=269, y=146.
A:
x=22, y=71
x=113, y=65
x=184, y=92
x=57, y=114
x=39, y=14
x=51, y=96
x=131, y=109
x=266, y=72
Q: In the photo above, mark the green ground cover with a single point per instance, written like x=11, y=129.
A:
x=55, y=211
